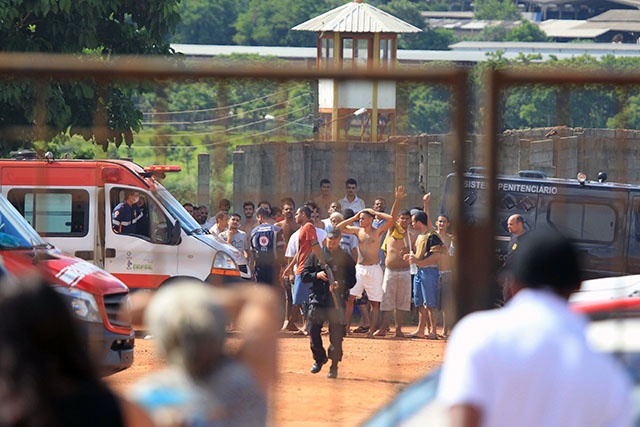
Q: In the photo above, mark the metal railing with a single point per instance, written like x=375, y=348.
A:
x=475, y=249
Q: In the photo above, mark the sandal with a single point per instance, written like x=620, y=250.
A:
x=361, y=330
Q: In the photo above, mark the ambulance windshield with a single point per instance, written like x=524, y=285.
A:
x=15, y=231
x=187, y=222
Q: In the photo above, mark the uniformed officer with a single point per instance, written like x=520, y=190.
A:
x=515, y=225
x=327, y=300
x=125, y=215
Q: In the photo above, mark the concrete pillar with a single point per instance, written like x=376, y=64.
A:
x=204, y=174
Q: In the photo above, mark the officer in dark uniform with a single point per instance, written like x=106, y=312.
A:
x=515, y=225
x=125, y=215
x=327, y=300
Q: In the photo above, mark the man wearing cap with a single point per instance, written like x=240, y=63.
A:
x=327, y=299
x=529, y=363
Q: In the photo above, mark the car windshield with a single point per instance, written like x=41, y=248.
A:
x=187, y=222
x=15, y=231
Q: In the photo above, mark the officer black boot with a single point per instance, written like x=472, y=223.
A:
x=317, y=366
x=333, y=370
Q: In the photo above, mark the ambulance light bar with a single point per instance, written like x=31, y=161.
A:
x=159, y=171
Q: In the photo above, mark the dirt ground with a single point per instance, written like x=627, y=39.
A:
x=371, y=373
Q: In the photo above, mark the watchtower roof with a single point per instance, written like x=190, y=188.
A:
x=357, y=17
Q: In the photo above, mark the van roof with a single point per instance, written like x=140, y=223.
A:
x=554, y=181
x=74, y=172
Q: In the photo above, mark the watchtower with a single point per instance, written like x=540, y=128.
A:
x=356, y=36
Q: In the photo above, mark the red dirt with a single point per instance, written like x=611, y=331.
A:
x=371, y=373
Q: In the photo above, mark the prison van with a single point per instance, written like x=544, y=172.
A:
x=602, y=218
x=99, y=300
x=70, y=202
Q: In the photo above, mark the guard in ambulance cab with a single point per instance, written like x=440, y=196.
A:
x=126, y=215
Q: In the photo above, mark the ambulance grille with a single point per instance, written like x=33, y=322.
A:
x=112, y=305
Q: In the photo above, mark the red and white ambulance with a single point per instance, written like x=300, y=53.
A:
x=70, y=202
x=97, y=298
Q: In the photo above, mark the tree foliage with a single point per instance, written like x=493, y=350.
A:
x=526, y=32
x=496, y=10
x=269, y=23
x=206, y=22
x=44, y=109
x=492, y=33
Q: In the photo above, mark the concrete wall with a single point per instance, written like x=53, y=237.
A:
x=421, y=163
x=275, y=170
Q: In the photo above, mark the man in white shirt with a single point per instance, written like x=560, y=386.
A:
x=350, y=200
x=529, y=364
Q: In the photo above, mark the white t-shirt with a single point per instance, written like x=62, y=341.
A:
x=357, y=205
x=215, y=230
x=529, y=364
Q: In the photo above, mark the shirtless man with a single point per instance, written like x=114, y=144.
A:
x=324, y=199
x=368, y=271
x=445, y=262
x=288, y=226
x=250, y=222
x=396, y=284
x=445, y=293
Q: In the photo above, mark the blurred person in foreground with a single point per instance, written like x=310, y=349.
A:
x=47, y=375
x=529, y=364
x=209, y=381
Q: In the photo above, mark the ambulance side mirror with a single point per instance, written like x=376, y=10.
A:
x=175, y=233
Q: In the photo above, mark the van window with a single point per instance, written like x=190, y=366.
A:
x=584, y=221
x=54, y=213
x=153, y=225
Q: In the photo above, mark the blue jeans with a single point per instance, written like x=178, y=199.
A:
x=425, y=287
x=301, y=291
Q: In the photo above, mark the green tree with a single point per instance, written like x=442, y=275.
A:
x=497, y=10
x=629, y=116
x=492, y=33
x=526, y=32
x=269, y=23
x=429, y=108
x=206, y=22
x=41, y=110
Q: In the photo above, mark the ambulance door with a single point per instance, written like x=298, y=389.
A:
x=144, y=257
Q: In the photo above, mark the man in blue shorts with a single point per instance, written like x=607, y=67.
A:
x=425, y=283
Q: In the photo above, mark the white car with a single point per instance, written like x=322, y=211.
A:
x=608, y=288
